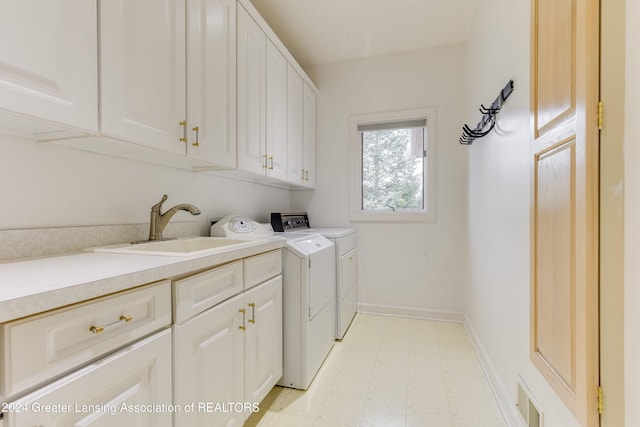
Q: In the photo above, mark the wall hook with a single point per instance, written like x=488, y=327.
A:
x=488, y=117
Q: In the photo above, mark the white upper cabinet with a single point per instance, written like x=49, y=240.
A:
x=251, y=66
x=295, y=98
x=262, y=102
x=276, y=111
x=167, y=83
x=211, y=81
x=301, y=131
x=309, y=136
x=196, y=84
x=48, y=66
x=270, y=104
x=142, y=51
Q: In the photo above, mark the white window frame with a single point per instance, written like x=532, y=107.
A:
x=356, y=213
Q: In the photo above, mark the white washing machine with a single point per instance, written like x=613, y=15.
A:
x=346, y=263
x=308, y=296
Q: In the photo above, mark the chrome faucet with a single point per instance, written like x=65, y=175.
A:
x=160, y=220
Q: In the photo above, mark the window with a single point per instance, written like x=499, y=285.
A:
x=393, y=166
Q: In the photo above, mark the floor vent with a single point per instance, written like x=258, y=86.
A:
x=527, y=407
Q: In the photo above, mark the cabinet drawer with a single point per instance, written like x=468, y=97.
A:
x=131, y=387
x=197, y=293
x=44, y=346
x=260, y=268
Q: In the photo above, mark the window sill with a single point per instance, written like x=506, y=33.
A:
x=393, y=217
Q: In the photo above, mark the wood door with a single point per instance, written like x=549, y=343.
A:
x=564, y=283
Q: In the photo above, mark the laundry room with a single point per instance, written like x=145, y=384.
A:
x=147, y=121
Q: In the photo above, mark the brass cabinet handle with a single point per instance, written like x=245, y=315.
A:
x=302, y=174
x=306, y=175
x=184, y=131
x=243, y=311
x=264, y=164
x=253, y=313
x=197, y=131
x=271, y=160
x=95, y=330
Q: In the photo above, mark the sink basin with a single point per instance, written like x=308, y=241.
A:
x=188, y=246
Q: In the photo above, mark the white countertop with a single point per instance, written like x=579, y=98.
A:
x=32, y=286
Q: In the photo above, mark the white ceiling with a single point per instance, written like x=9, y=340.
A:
x=326, y=31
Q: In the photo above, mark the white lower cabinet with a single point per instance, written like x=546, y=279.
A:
x=114, y=361
x=209, y=365
x=229, y=357
x=263, y=339
x=129, y=388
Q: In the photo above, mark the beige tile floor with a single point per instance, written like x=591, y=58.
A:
x=390, y=372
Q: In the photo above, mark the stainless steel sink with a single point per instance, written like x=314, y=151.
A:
x=188, y=246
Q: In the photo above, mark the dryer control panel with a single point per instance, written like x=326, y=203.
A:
x=296, y=221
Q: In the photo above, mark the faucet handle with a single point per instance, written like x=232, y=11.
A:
x=158, y=206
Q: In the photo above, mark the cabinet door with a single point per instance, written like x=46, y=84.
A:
x=142, y=64
x=211, y=81
x=309, y=150
x=263, y=339
x=250, y=94
x=209, y=365
x=105, y=393
x=295, y=100
x=48, y=66
x=276, y=110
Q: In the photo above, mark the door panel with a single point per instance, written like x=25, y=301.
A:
x=555, y=287
x=564, y=220
x=555, y=68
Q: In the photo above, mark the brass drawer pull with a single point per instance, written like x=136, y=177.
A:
x=184, y=131
x=253, y=313
x=197, y=131
x=95, y=330
x=243, y=311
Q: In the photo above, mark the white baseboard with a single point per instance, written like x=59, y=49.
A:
x=419, y=313
x=505, y=401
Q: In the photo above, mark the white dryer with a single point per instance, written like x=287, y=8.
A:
x=309, y=296
x=345, y=262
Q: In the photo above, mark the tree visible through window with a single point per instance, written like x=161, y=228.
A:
x=393, y=167
x=392, y=170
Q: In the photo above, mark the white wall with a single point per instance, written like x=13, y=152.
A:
x=632, y=212
x=403, y=268
x=46, y=185
x=497, y=298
